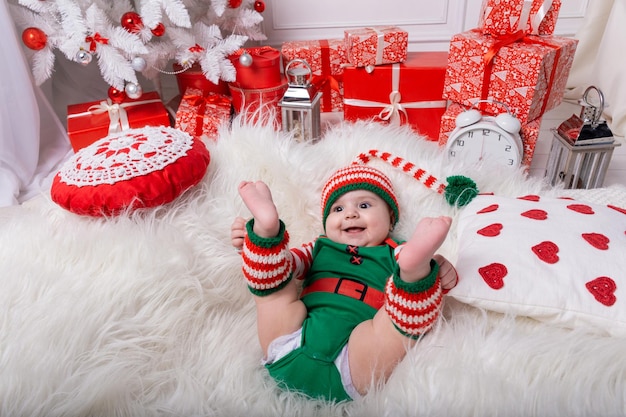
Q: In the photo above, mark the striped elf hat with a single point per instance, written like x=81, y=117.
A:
x=358, y=177
x=458, y=191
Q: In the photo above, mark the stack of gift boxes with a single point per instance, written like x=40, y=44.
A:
x=369, y=75
x=201, y=107
x=511, y=57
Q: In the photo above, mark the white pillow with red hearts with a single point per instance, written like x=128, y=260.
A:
x=552, y=259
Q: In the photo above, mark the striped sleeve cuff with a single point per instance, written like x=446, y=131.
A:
x=267, y=263
x=414, y=307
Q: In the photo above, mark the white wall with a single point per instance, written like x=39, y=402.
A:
x=430, y=23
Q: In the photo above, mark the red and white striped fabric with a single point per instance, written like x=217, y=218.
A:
x=414, y=313
x=267, y=266
x=358, y=177
x=405, y=166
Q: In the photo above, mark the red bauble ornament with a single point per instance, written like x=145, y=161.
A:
x=158, y=30
x=234, y=3
x=116, y=96
x=259, y=6
x=34, y=38
x=131, y=21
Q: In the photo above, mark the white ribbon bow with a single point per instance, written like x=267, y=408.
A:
x=391, y=111
x=118, y=117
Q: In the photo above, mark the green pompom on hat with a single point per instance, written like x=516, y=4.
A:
x=460, y=190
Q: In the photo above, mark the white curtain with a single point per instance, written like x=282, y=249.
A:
x=601, y=59
x=32, y=139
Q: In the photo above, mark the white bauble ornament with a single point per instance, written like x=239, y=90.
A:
x=133, y=90
x=83, y=57
x=138, y=63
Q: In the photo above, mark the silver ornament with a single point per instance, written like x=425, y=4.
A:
x=83, y=57
x=138, y=63
x=245, y=59
x=133, y=90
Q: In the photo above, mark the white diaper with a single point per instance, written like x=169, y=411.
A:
x=283, y=345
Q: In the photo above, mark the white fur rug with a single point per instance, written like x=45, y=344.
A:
x=148, y=314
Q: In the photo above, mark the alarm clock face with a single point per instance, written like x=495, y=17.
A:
x=484, y=141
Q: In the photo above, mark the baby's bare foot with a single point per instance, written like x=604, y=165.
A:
x=414, y=259
x=258, y=198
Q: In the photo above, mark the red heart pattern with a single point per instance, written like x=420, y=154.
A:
x=621, y=210
x=603, y=290
x=597, y=240
x=493, y=275
x=530, y=197
x=547, y=251
x=581, y=208
x=488, y=209
x=536, y=214
x=491, y=231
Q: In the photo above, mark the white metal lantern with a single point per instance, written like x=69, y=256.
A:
x=300, y=105
x=582, y=147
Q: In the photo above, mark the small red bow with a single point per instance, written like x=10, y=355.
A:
x=96, y=38
x=196, y=48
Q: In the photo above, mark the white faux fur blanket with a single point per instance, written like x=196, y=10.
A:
x=148, y=314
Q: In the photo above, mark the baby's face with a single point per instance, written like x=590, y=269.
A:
x=359, y=218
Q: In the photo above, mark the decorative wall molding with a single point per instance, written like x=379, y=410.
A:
x=430, y=23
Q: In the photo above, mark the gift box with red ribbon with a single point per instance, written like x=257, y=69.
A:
x=376, y=45
x=88, y=122
x=263, y=71
x=194, y=78
x=527, y=73
x=201, y=114
x=406, y=93
x=529, y=132
x=502, y=17
x=327, y=59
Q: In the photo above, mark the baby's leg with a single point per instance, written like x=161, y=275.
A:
x=279, y=309
x=376, y=346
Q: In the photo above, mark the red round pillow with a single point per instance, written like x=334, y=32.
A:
x=135, y=168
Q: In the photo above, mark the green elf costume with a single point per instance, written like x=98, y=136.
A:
x=343, y=286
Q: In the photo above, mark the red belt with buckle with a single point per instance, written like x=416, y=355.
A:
x=350, y=288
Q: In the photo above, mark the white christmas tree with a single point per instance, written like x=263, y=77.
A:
x=127, y=37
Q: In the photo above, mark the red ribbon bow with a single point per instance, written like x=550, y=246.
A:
x=93, y=40
x=505, y=40
x=196, y=48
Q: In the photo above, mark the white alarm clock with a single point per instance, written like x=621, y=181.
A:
x=477, y=137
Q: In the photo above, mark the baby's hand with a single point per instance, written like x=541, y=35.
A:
x=447, y=273
x=238, y=232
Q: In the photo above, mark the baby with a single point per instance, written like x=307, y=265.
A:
x=365, y=297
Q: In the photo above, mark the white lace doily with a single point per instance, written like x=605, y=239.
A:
x=126, y=155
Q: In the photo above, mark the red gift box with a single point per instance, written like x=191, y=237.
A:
x=528, y=74
x=194, y=78
x=260, y=104
x=376, y=45
x=88, y=122
x=327, y=59
x=529, y=132
x=410, y=92
x=501, y=17
x=201, y=114
x=263, y=72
